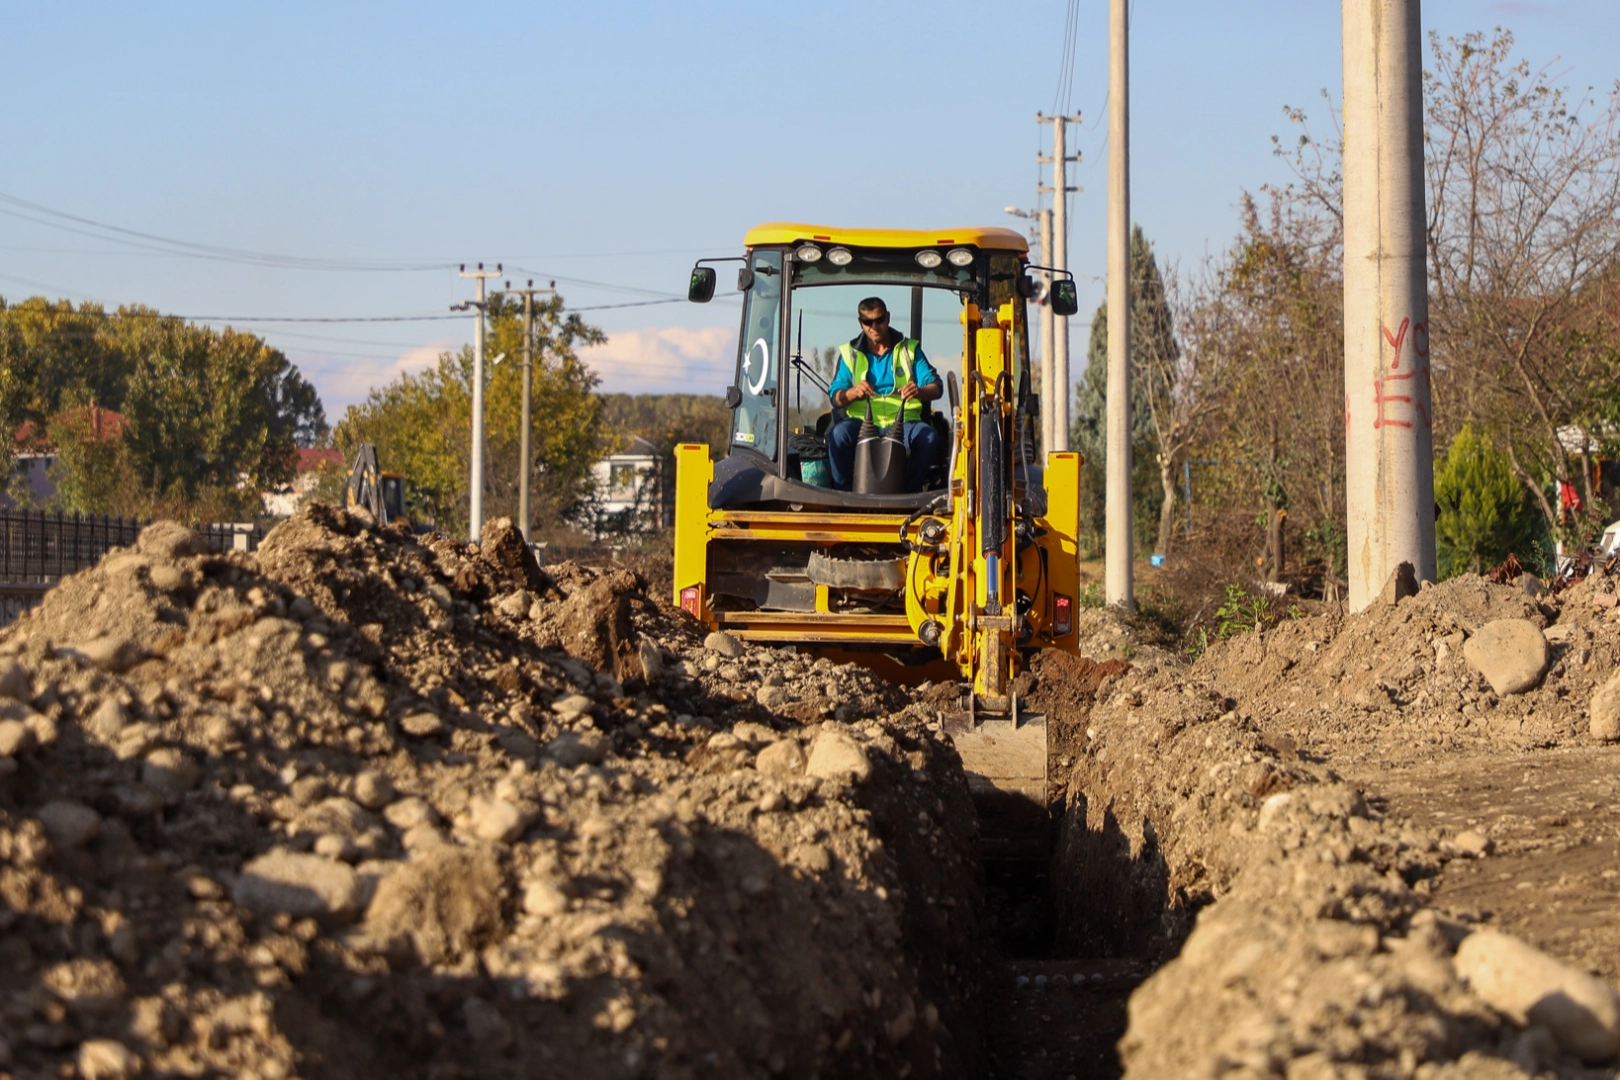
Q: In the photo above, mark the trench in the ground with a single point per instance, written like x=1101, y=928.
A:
x=1074, y=934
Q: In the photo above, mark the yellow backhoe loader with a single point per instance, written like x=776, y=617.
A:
x=970, y=575
x=382, y=494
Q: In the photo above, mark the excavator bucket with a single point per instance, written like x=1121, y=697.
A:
x=1005, y=761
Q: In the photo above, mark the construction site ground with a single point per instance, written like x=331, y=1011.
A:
x=361, y=804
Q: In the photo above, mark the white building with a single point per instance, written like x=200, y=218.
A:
x=285, y=500
x=630, y=490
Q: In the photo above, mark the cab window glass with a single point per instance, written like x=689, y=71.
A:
x=753, y=423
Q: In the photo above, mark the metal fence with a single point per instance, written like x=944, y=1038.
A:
x=38, y=547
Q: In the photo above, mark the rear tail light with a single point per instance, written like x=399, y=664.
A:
x=1062, y=615
x=692, y=600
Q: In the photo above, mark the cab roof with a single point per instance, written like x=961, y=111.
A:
x=789, y=232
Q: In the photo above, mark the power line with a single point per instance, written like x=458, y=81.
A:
x=202, y=251
x=1063, y=96
x=663, y=293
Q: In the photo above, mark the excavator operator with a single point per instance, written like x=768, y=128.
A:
x=889, y=372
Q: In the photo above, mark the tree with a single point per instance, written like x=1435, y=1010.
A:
x=1524, y=219
x=209, y=417
x=93, y=473
x=667, y=420
x=1155, y=355
x=1523, y=198
x=1483, y=508
x=1277, y=324
x=422, y=424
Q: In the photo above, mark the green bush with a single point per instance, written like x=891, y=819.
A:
x=1485, y=514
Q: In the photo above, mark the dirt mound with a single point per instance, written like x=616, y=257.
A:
x=1403, y=668
x=1208, y=823
x=355, y=805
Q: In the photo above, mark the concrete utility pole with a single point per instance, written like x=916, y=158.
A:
x=1119, y=589
x=1388, y=417
x=1059, y=253
x=525, y=451
x=475, y=509
x=1049, y=381
x=1043, y=255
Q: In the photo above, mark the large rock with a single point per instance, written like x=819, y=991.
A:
x=337, y=816
x=107, y=1059
x=170, y=773
x=441, y=904
x=781, y=758
x=836, y=753
x=1511, y=653
x=495, y=819
x=14, y=680
x=69, y=824
x=723, y=643
x=168, y=540
x=109, y=718
x=300, y=885
x=1604, y=710
x=1401, y=584
x=110, y=653
x=652, y=660
x=572, y=749
x=14, y=738
x=502, y=547
x=1521, y=981
x=372, y=789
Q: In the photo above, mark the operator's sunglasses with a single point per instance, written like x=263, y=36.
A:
x=876, y=320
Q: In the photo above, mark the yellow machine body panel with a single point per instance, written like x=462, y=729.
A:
x=789, y=232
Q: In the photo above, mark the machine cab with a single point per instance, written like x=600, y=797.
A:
x=802, y=286
x=393, y=496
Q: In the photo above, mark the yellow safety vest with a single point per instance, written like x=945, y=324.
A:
x=883, y=408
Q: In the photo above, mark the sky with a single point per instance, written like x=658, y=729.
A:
x=253, y=165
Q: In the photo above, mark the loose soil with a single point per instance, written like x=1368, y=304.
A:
x=354, y=806
x=1279, y=828
x=358, y=805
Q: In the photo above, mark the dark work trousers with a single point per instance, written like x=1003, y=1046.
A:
x=920, y=440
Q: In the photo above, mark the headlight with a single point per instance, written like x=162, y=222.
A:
x=840, y=257
x=928, y=259
x=960, y=257
x=807, y=253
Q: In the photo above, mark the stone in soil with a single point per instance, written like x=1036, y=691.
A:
x=1511, y=654
x=723, y=644
x=1604, y=710
x=296, y=884
x=1582, y=1012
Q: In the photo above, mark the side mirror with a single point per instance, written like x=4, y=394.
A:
x=745, y=279
x=700, y=290
x=733, y=397
x=1065, y=301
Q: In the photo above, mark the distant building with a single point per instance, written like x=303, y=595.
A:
x=632, y=494
x=285, y=500
x=35, y=453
